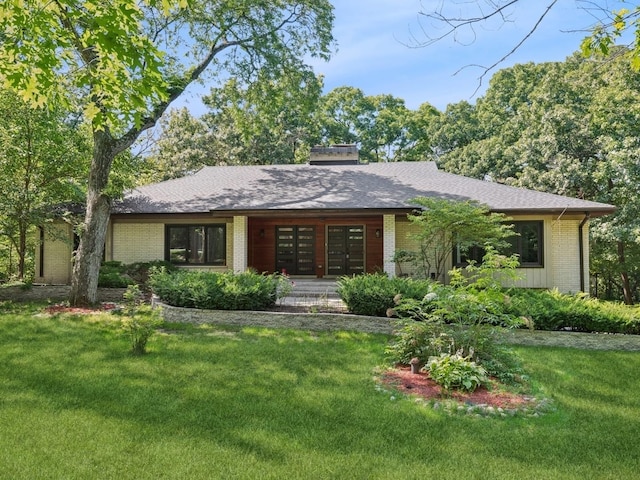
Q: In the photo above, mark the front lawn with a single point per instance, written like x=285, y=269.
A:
x=210, y=402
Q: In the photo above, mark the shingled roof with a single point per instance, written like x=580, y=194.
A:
x=375, y=186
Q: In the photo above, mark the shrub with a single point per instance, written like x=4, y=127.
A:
x=552, y=310
x=113, y=275
x=456, y=372
x=373, y=294
x=419, y=340
x=140, y=321
x=467, y=318
x=140, y=271
x=215, y=291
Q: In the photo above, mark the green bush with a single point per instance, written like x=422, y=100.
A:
x=140, y=271
x=456, y=372
x=419, y=340
x=483, y=344
x=551, y=310
x=467, y=319
x=374, y=294
x=215, y=291
x=140, y=321
x=115, y=274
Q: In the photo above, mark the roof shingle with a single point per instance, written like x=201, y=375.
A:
x=367, y=186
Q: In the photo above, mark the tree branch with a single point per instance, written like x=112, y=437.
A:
x=513, y=50
x=174, y=91
x=455, y=24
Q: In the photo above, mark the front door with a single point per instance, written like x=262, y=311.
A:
x=345, y=249
x=295, y=250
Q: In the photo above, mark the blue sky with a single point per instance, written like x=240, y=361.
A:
x=373, y=53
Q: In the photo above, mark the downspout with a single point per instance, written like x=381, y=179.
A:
x=587, y=215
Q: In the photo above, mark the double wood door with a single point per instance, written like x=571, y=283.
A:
x=295, y=249
x=345, y=249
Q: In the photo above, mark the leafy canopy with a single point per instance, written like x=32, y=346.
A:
x=446, y=224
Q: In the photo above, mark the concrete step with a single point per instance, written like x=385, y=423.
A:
x=326, y=288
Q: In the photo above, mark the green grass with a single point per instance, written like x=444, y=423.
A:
x=209, y=402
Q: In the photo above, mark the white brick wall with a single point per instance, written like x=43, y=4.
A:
x=137, y=242
x=240, y=233
x=389, y=243
x=58, y=245
x=565, y=253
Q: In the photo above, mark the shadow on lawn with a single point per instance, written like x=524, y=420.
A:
x=253, y=391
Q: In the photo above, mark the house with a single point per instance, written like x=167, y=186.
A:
x=331, y=217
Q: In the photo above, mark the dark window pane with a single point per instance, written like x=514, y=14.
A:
x=527, y=244
x=216, y=245
x=462, y=257
x=529, y=237
x=196, y=244
x=178, y=240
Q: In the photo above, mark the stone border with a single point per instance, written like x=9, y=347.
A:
x=360, y=323
x=298, y=321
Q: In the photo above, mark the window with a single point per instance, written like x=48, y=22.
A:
x=461, y=258
x=196, y=244
x=528, y=244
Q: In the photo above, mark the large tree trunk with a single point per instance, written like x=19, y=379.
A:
x=84, y=281
x=624, y=276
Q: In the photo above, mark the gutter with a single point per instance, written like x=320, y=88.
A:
x=587, y=215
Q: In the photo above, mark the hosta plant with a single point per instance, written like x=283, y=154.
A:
x=455, y=372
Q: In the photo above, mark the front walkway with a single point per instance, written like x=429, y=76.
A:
x=314, y=293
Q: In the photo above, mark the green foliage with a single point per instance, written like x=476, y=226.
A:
x=552, y=310
x=419, y=340
x=140, y=321
x=373, y=294
x=115, y=274
x=558, y=127
x=32, y=176
x=473, y=297
x=216, y=291
x=466, y=319
x=445, y=225
x=453, y=371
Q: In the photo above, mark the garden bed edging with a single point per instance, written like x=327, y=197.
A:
x=267, y=319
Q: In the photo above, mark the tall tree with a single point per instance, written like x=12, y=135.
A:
x=125, y=62
x=384, y=128
x=43, y=160
x=341, y=115
x=378, y=124
x=419, y=125
x=569, y=128
x=269, y=121
x=185, y=144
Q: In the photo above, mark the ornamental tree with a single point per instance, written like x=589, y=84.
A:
x=447, y=224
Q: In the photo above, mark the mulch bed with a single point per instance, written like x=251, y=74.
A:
x=64, y=308
x=421, y=385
